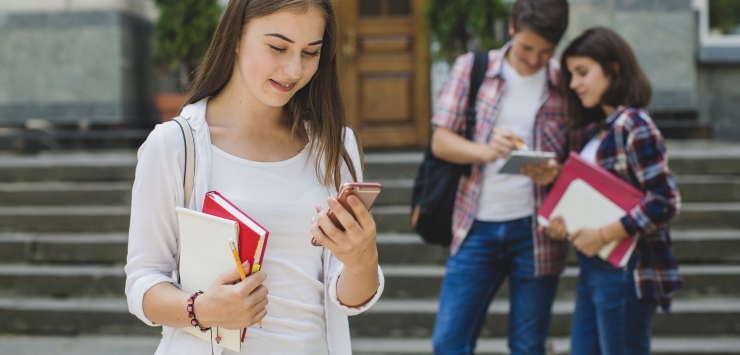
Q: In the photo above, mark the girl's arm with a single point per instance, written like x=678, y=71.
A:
x=646, y=155
x=152, y=294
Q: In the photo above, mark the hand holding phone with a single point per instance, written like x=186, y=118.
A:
x=366, y=192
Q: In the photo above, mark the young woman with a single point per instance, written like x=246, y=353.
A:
x=270, y=135
x=606, y=90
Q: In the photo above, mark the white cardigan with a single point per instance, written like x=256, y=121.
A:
x=153, y=250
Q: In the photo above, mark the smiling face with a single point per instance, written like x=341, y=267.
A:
x=529, y=52
x=277, y=55
x=588, y=80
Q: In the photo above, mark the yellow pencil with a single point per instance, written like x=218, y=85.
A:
x=237, y=260
x=239, y=265
x=517, y=142
x=256, y=267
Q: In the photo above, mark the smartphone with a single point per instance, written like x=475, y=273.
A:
x=367, y=192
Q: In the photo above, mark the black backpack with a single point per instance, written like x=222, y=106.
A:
x=435, y=186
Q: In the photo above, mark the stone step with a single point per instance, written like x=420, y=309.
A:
x=700, y=157
x=388, y=318
x=556, y=346
x=78, y=345
x=702, y=188
x=706, y=188
x=402, y=282
x=102, y=248
x=687, y=157
x=684, y=128
x=61, y=281
x=707, y=215
x=65, y=193
x=424, y=282
x=78, y=166
x=33, y=141
x=64, y=219
x=71, y=317
x=146, y=345
x=415, y=318
x=689, y=246
x=694, y=188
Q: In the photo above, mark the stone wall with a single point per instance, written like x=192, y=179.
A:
x=719, y=103
x=663, y=34
x=73, y=62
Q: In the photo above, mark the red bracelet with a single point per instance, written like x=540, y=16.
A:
x=601, y=236
x=191, y=312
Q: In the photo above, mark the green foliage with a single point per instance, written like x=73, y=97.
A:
x=463, y=25
x=184, y=31
x=725, y=15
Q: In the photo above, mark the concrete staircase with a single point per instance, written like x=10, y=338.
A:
x=64, y=217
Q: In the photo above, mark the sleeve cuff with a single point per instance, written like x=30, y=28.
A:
x=351, y=311
x=630, y=225
x=136, y=296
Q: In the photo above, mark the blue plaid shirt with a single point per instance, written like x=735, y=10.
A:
x=634, y=150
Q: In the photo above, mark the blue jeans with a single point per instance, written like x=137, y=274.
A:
x=491, y=252
x=609, y=319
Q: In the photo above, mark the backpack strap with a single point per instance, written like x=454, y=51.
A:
x=477, y=74
x=189, y=173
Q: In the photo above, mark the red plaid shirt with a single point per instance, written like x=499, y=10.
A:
x=550, y=135
x=634, y=150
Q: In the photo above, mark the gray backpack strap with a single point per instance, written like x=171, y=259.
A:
x=189, y=174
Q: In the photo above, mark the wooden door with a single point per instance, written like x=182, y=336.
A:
x=384, y=71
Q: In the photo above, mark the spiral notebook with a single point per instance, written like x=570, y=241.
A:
x=205, y=254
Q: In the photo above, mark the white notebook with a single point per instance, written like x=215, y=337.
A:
x=205, y=254
x=581, y=206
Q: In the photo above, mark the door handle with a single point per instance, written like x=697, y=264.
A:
x=350, y=45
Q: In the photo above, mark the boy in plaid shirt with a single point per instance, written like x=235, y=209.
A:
x=494, y=236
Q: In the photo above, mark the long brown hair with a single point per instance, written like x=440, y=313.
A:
x=319, y=102
x=628, y=84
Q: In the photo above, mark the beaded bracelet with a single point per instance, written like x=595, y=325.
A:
x=191, y=312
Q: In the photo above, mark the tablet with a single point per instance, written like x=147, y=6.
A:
x=521, y=158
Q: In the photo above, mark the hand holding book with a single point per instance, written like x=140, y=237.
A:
x=207, y=263
x=231, y=303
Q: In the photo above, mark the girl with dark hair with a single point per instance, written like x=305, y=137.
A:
x=606, y=93
x=270, y=135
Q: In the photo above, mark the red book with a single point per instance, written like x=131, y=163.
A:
x=588, y=196
x=252, y=236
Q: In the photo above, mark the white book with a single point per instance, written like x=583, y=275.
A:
x=582, y=206
x=204, y=255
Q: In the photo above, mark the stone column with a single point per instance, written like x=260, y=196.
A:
x=77, y=62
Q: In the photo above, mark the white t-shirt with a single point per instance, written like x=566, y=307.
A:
x=282, y=197
x=507, y=197
x=591, y=149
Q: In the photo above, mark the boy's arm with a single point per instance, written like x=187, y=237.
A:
x=450, y=146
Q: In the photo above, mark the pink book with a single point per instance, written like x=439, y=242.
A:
x=588, y=196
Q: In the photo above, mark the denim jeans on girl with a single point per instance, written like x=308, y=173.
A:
x=608, y=318
x=491, y=252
